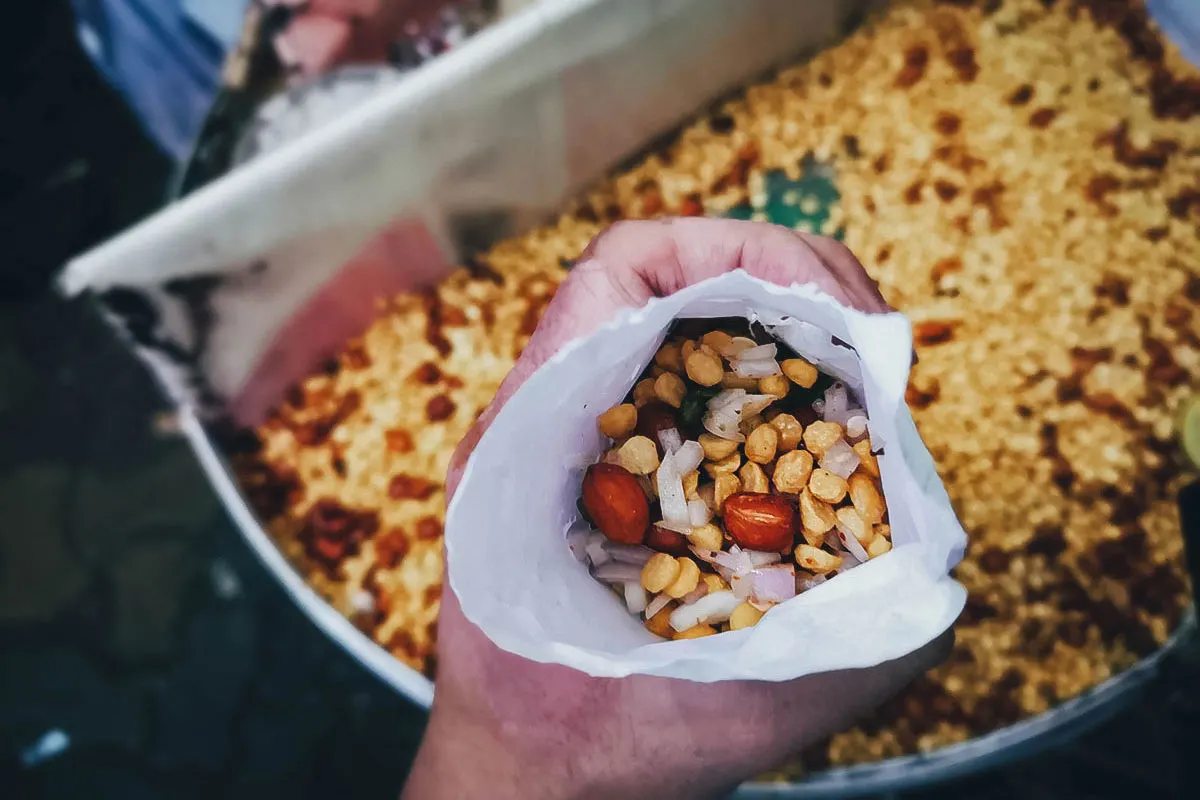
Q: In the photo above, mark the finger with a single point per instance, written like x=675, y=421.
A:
x=850, y=270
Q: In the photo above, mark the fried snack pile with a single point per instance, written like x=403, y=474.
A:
x=777, y=492
x=1023, y=178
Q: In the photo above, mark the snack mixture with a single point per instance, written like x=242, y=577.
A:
x=738, y=478
x=1022, y=178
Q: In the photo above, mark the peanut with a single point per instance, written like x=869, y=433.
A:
x=761, y=444
x=800, y=372
x=816, y=518
x=792, y=471
x=850, y=522
x=878, y=546
x=723, y=487
x=670, y=388
x=816, y=560
x=669, y=357
x=660, y=572
x=707, y=536
x=696, y=632
x=826, y=486
x=869, y=463
x=753, y=478
x=820, y=436
x=867, y=500
x=744, y=616
x=619, y=421
x=774, y=385
x=705, y=369
x=715, y=448
x=643, y=392
x=790, y=431
x=686, y=580
x=726, y=466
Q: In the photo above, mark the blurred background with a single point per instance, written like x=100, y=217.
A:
x=144, y=651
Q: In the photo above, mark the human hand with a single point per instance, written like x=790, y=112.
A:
x=507, y=727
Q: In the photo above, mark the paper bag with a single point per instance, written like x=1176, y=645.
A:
x=511, y=569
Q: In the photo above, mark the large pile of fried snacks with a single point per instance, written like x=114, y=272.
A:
x=1023, y=179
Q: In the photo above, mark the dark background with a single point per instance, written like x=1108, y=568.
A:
x=136, y=628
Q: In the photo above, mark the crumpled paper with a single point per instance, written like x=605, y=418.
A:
x=516, y=579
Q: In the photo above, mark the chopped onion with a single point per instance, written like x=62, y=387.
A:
x=840, y=459
x=678, y=527
x=670, y=439
x=695, y=594
x=688, y=457
x=762, y=351
x=771, y=584
x=756, y=367
x=578, y=536
x=735, y=562
x=856, y=427
x=635, y=597
x=806, y=582
x=837, y=400
x=698, y=513
x=657, y=604
x=614, y=572
x=595, y=550
x=715, y=607
x=670, y=493
x=761, y=558
x=853, y=545
x=755, y=403
x=724, y=423
x=628, y=553
x=728, y=397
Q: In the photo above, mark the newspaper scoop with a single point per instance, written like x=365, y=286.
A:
x=517, y=579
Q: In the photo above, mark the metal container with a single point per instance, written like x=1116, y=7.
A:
x=441, y=146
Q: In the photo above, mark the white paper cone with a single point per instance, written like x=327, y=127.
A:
x=517, y=580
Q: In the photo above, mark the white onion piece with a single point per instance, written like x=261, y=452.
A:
x=715, y=607
x=670, y=493
x=762, y=351
x=853, y=545
x=678, y=527
x=806, y=582
x=761, y=558
x=773, y=584
x=628, y=553
x=734, y=562
x=840, y=459
x=856, y=427
x=578, y=536
x=595, y=549
x=698, y=513
x=732, y=398
x=613, y=572
x=837, y=400
x=657, y=604
x=695, y=594
x=756, y=367
x=688, y=457
x=670, y=439
x=635, y=597
x=755, y=403
x=723, y=423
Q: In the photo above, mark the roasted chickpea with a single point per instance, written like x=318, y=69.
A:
x=774, y=385
x=660, y=624
x=686, y=580
x=792, y=471
x=639, y=455
x=790, y=430
x=761, y=444
x=660, y=572
x=670, y=357
x=731, y=380
x=715, y=448
x=816, y=518
x=821, y=435
x=670, y=388
x=849, y=521
x=816, y=560
x=696, y=632
x=753, y=478
x=878, y=546
x=723, y=487
x=643, y=392
x=826, y=486
x=800, y=372
x=868, y=463
x=865, y=496
x=705, y=369
x=619, y=421
x=744, y=616
x=725, y=466
x=717, y=340
x=708, y=537
x=691, y=482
